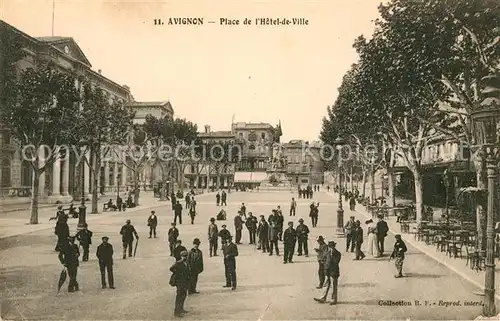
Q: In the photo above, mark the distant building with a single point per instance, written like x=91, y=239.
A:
x=304, y=163
x=158, y=109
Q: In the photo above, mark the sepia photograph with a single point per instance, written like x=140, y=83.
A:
x=249, y=160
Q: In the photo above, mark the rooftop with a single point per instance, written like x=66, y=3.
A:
x=217, y=134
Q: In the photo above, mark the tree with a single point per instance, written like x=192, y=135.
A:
x=220, y=155
x=102, y=125
x=41, y=112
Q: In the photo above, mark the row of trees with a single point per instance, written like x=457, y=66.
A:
x=44, y=110
x=420, y=75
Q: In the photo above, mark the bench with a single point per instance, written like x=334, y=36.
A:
x=106, y=207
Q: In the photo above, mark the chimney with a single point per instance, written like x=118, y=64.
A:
x=207, y=129
x=99, y=71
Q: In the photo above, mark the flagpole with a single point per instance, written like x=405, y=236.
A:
x=53, y=15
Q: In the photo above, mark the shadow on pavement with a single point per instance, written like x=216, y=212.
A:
x=357, y=285
x=244, y=288
x=423, y=276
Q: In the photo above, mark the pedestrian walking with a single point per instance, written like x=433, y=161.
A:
x=321, y=250
x=273, y=239
x=224, y=234
x=178, y=249
x=332, y=271
x=62, y=231
x=68, y=256
x=251, y=224
x=238, y=227
x=178, y=212
x=84, y=236
x=192, y=209
x=381, y=232
x=373, y=249
x=352, y=203
x=224, y=198
x=152, y=223
x=357, y=238
x=105, y=256
x=314, y=213
x=279, y=223
x=173, y=234
x=398, y=254
x=302, y=238
x=348, y=230
x=263, y=233
x=217, y=198
x=195, y=264
x=180, y=279
x=213, y=236
x=128, y=231
x=173, y=199
x=293, y=207
x=230, y=251
x=289, y=240
x=188, y=201
x=243, y=210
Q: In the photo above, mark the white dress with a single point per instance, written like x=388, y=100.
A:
x=372, y=240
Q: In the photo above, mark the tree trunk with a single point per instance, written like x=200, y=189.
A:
x=364, y=183
x=351, y=179
x=96, y=165
x=181, y=176
x=391, y=181
x=481, y=182
x=373, y=194
x=34, y=197
x=137, y=190
x=163, y=184
x=419, y=192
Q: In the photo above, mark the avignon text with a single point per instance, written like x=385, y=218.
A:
x=185, y=21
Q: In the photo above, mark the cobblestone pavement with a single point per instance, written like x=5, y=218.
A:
x=267, y=289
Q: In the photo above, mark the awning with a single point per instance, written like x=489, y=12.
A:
x=249, y=177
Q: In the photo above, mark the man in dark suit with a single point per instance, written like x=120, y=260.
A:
x=128, y=231
x=178, y=249
x=181, y=276
x=238, y=227
x=105, y=256
x=251, y=224
x=263, y=233
x=152, y=223
x=173, y=234
x=213, y=237
x=195, y=264
x=382, y=230
x=68, y=256
x=302, y=236
x=357, y=238
x=224, y=234
x=84, y=236
x=289, y=240
x=230, y=251
x=178, y=212
x=332, y=271
x=348, y=230
x=322, y=250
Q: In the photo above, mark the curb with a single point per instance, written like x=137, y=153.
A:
x=432, y=256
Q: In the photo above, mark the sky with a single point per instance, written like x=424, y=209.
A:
x=213, y=72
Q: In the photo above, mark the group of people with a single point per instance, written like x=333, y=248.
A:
x=190, y=204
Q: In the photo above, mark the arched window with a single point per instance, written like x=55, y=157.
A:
x=251, y=147
x=26, y=174
x=6, y=179
x=263, y=135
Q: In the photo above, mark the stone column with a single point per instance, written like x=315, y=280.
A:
x=195, y=182
x=115, y=177
x=106, y=176
x=65, y=174
x=56, y=175
x=86, y=173
x=124, y=176
x=41, y=182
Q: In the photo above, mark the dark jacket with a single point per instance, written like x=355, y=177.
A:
x=349, y=227
x=173, y=234
x=290, y=236
x=322, y=253
x=224, y=196
x=251, y=223
x=181, y=274
x=332, y=261
x=61, y=230
x=105, y=253
x=238, y=222
x=69, y=254
x=178, y=209
x=84, y=237
x=230, y=253
x=152, y=220
x=224, y=235
x=357, y=235
x=177, y=252
x=382, y=228
x=302, y=231
x=279, y=219
x=399, y=249
x=213, y=232
x=313, y=210
x=263, y=229
x=271, y=219
x=128, y=231
x=273, y=232
x=195, y=261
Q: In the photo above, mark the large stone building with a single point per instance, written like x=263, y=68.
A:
x=62, y=181
x=304, y=165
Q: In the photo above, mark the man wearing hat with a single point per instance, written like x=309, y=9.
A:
x=238, y=227
x=84, y=236
x=62, y=232
x=322, y=250
x=195, y=264
x=213, y=236
x=263, y=233
x=289, y=240
x=251, y=224
x=399, y=255
x=178, y=249
x=68, y=256
x=128, y=231
x=348, y=229
x=152, y=223
x=382, y=229
x=332, y=271
x=230, y=251
x=105, y=256
x=302, y=235
x=173, y=234
x=180, y=279
x=224, y=234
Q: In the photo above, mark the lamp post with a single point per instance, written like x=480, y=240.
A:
x=82, y=215
x=310, y=174
x=339, y=231
x=446, y=181
x=484, y=123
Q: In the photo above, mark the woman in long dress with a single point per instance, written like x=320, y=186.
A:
x=372, y=238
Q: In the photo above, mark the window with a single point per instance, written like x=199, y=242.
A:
x=263, y=135
x=240, y=134
x=251, y=147
x=193, y=170
x=6, y=138
x=6, y=173
x=26, y=174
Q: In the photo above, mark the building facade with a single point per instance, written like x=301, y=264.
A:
x=304, y=165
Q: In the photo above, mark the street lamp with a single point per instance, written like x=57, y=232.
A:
x=310, y=173
x=82, y=215
x=446, y=181
x=340, y=211
x=485, y=129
